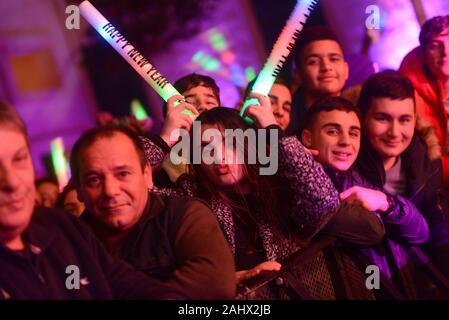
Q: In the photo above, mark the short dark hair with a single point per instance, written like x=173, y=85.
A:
x=195, y=80
x=9, y=118
x=432, y=27
x=40, y=181
x=311, y=34
x=93, y=135
x=385, y=84
x=327, y=105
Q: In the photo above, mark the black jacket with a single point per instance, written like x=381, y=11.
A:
x=179, y=241
x=424, y=189
x=56, y=240
x=424, y=185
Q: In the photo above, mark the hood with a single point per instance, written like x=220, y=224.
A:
x=414, y=68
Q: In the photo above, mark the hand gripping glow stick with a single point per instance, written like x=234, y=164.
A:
x=59, y=161
x=129, y=52
x=281, y=49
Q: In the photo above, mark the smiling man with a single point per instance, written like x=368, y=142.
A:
x=395, y=160
x=323, y=69
x=176, y=240
x=332, y=128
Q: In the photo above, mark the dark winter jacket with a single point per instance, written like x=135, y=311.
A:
x=180, y=242
x=424, y=189
x=58, y=246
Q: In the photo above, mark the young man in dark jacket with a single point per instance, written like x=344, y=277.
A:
x=176, y=240
x=333, y=128
x=48, y=254
x=394, y=159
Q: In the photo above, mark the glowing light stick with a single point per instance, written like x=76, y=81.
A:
x=129, y=52
x=138, y=110
x=281, y=49
x=59, y=161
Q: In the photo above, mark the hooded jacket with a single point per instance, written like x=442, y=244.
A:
x=424, y=189
x=429, y=100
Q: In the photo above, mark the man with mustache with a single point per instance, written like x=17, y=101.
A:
x=176, y=240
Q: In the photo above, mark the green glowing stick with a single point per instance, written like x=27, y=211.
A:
x=138, y=110
x=59, y=161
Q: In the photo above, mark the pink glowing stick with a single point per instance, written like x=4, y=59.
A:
x=281, y=49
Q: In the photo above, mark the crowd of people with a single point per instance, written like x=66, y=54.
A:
x=134, y=223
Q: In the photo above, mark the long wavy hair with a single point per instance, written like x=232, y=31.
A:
x=266, y=189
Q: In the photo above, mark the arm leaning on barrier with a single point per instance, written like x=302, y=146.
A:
x=356, y=225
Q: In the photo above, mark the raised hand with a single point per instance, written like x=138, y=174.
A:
x=261, y=114
x=175, y=119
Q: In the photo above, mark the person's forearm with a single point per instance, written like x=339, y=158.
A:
x=155, y=150
x=354, y=224
x=315, y=196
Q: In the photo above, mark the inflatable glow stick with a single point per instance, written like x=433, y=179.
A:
x=128, y=52
x=59, y=161
x=281, y=49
